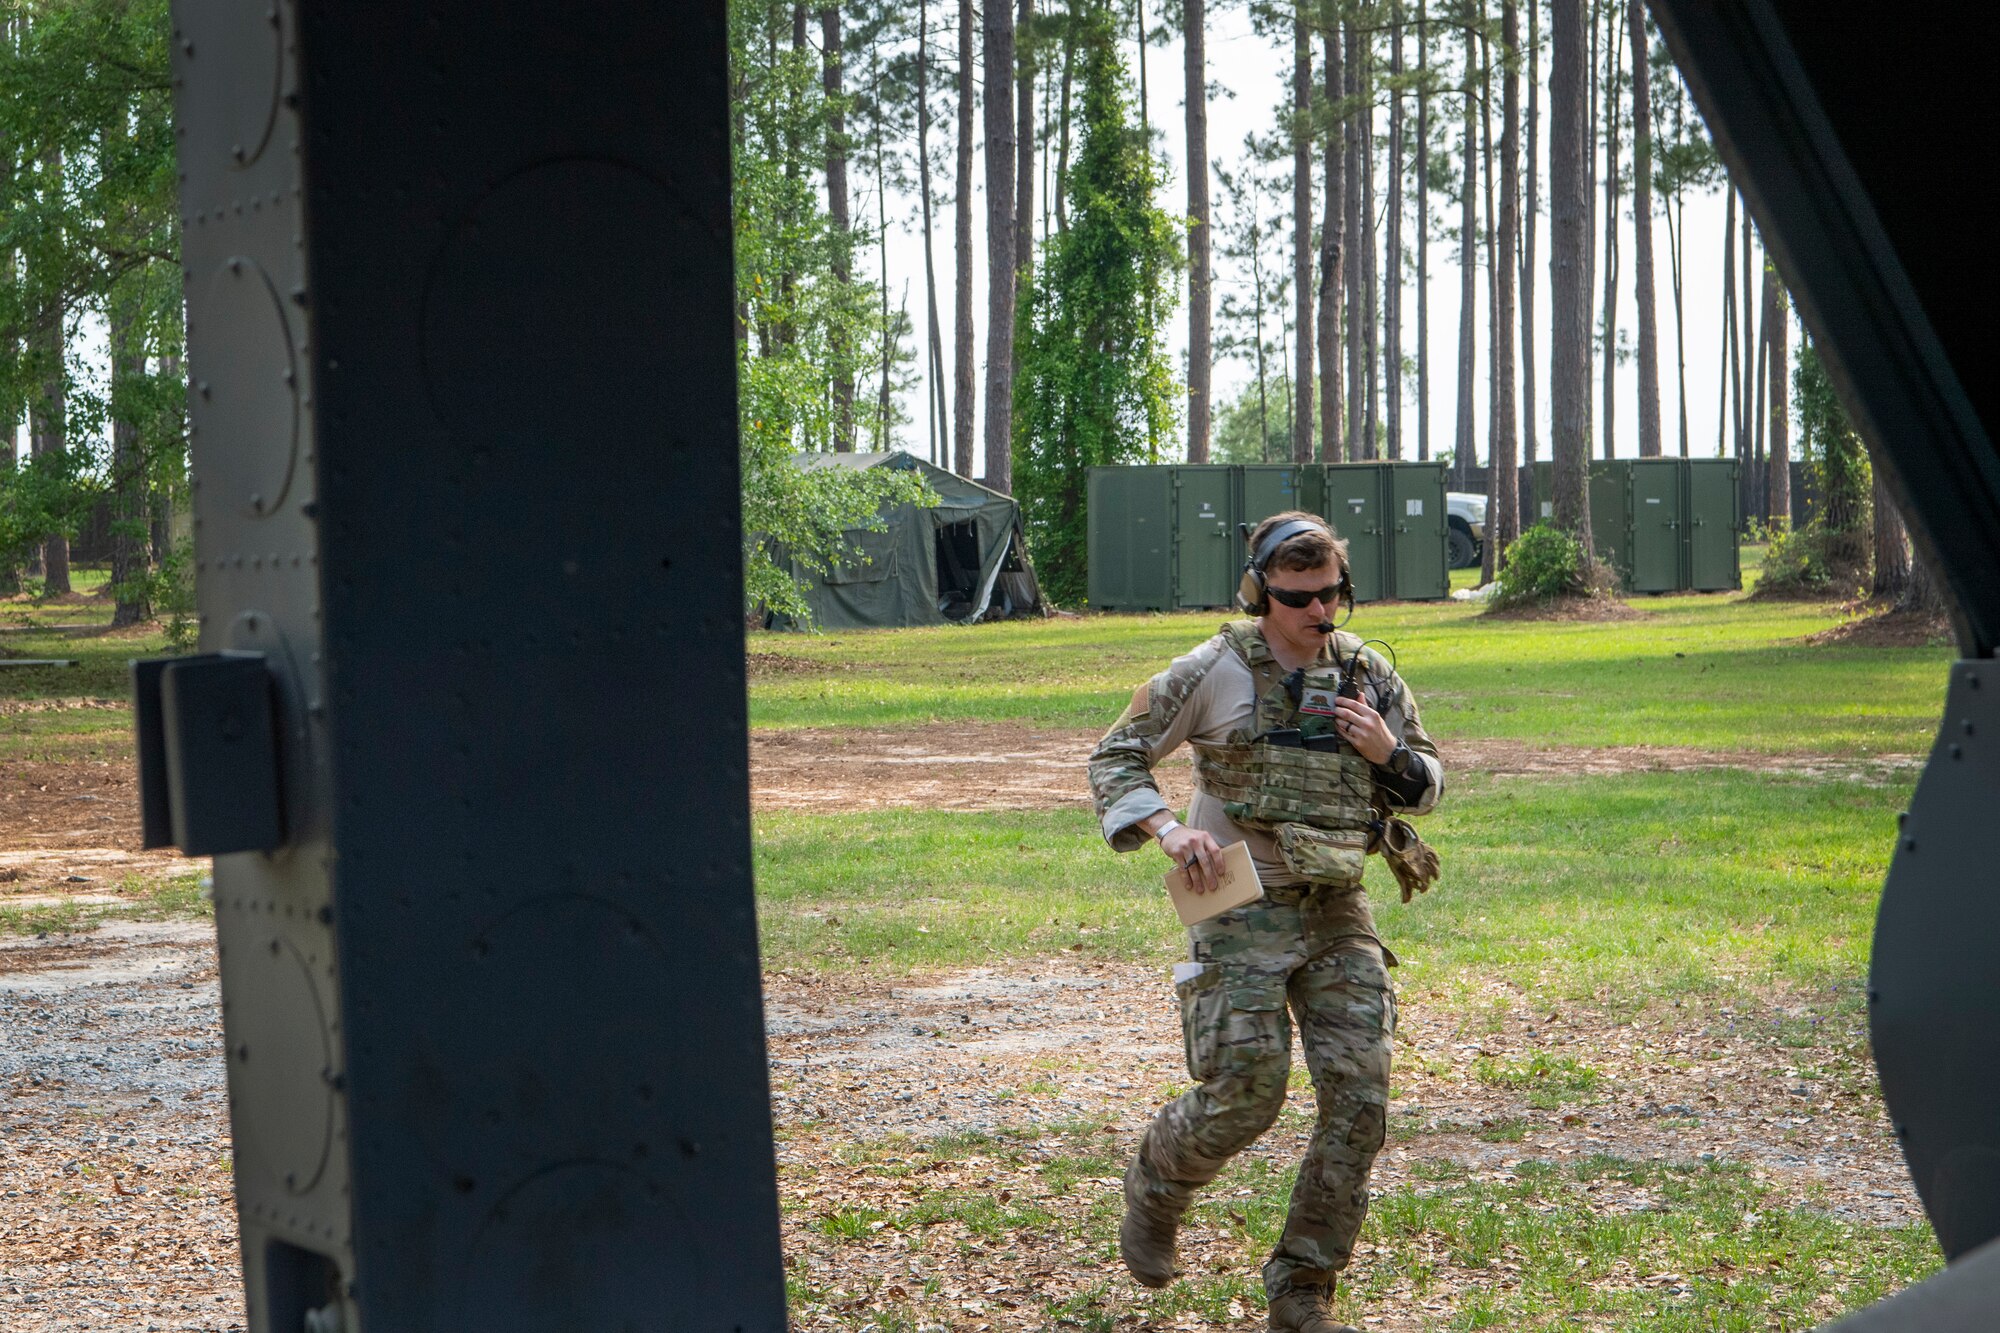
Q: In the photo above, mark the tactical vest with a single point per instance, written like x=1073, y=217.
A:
x=1318, y=803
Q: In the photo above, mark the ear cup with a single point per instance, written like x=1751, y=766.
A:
x=1250, y=591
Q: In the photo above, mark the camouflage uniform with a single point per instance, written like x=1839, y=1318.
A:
x=1310, y=946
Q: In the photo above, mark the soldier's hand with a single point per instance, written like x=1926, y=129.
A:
x=1363, y=728
x=1197, y=851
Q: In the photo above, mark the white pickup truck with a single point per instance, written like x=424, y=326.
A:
x=1464, y=543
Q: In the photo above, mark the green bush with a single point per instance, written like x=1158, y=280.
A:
x=1544, y=562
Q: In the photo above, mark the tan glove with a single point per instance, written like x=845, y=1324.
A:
x=1411, y=861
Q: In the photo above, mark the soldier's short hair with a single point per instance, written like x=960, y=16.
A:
x=1308, y=550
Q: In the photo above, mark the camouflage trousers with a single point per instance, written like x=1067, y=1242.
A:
x=1299, y=950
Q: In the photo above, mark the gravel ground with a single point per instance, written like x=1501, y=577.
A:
x=116, y=1210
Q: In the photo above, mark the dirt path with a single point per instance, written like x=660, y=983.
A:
x=115, y=1204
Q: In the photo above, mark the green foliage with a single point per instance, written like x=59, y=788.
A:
x=1093, y=383
x=1248, y=430
x=89, y=225
x=801, y=328
x=1543, y=563
x=39, y=497
x=1830, y=555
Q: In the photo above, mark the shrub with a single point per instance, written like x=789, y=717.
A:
x=1543, y=563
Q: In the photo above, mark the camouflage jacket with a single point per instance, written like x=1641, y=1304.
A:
x=1208, y=697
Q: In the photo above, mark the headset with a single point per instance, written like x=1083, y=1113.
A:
x=1250, y=593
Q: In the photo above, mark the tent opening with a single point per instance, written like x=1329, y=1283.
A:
x=957, y=569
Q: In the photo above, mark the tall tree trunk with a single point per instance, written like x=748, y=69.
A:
x=1594, y=8
x=1257, y=290
x=1746, y=307
x=1892, y=546
x=1464, y=446
x=1024, y=145
x=1921, y=591
x=1490, y=556
x=1642, y=233
x=1676, y=234
x=1332, y=244
x=939, y=418
x=1302, y=212
x=1371, y=426
x=1423, y=232
x=1569, y=287
x=48, y=416
x=785, y=331
x=1201, y=352
x=1503, y=521
x=1062, y=139
x=1139, y=56
x=1756, y=394
x=48, y=429
x=1728, y=415
x=1529, y=424
x=1353, y=306
x=831, y=82
x=1612, y=93
x=1000, y=246
x=128, y=475
x=1392, y=255
x=885, y=399
x=1777, y=335
x=963, y=401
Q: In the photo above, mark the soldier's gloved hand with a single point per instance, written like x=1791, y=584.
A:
x=1363, y=728
x=1197, y=850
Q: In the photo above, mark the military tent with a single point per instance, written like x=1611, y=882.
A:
x=960, y=560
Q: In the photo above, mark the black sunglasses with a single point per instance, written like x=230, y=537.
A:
x=1301, y=598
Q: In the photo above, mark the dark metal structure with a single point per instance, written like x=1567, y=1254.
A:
x=459, y=289
x=460, y=286
x=1847, y=133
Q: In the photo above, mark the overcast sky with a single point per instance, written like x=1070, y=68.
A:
x=1251, y=75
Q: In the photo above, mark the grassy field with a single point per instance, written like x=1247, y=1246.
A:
x=1709, y=671
x=1615, y=889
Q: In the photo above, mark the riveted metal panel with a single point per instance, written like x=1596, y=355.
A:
x=465, y=457
x=1933, y=989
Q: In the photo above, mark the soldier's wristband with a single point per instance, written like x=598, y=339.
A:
x=1166, y=828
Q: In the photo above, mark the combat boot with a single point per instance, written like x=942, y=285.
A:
x=1306, y=1310
x=1146, y=1236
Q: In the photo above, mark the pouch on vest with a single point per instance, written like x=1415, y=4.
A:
x=1323, y=856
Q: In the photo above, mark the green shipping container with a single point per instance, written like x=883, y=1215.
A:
x=1167, y=537
x=1664, y=524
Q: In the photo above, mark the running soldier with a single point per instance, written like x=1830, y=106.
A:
x=1307, y=747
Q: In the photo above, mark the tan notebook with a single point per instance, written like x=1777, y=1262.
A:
x=1239, y=885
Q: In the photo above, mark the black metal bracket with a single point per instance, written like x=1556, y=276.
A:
x=208, y=753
